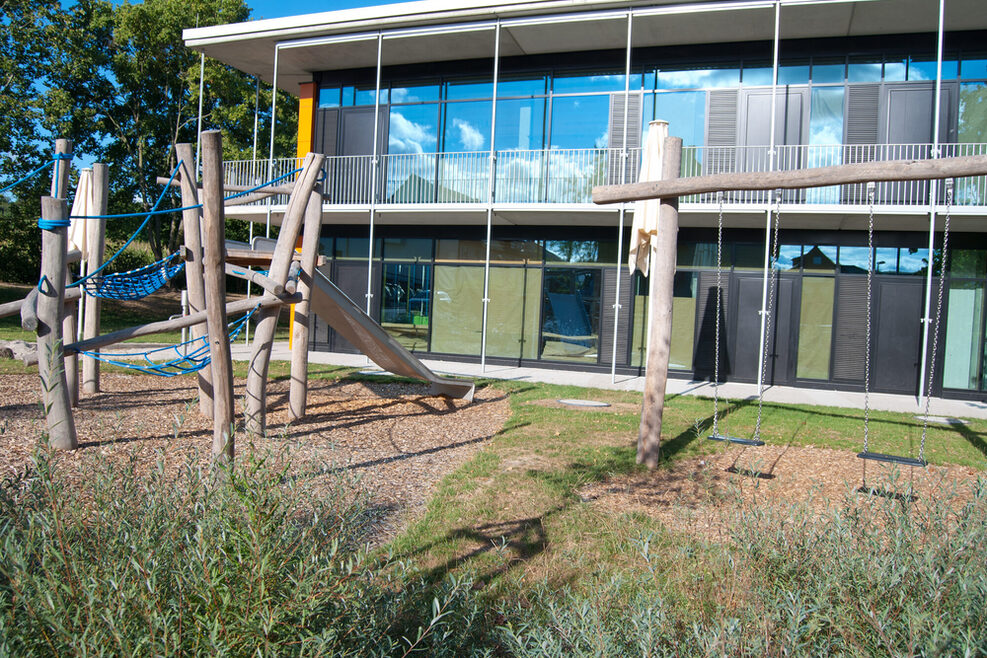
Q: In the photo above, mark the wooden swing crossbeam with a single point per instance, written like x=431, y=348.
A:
x=847, y=174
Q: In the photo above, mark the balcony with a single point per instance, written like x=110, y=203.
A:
x=567, y=176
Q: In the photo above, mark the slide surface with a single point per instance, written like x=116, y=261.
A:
x=350, y=321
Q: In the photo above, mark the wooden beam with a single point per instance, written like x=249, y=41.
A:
x=70, y=322
x=51, y=312
x=661, y=295
x=298, y=386
x=214, y=247
x=265, y=282
x=96, y=243
x=14, y=307
x=864, y=172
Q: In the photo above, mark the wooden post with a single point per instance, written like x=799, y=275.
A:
x=267, y=319
x=70, y=316
x=214, y=279
x=661, y=293
x=51, y=312
x=96, y=244
x=298, y=388
x=194, y=282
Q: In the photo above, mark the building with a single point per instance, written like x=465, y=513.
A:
x=464, y=139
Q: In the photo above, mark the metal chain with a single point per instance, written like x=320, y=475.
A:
x=935, y=333
x=870, y=277
x=773, y=261
x=719, y=302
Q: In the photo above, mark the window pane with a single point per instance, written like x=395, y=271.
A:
x=580, y=122
x=699, y=78
x=758, y=73
x=815, y=327
x=968, y=262
x=825, y=138
x=367, y=95
x=521, y=85
x=749, y=256
x=886, y=260
x=864, y=69
x=827, y=70
x=685, y=112
x=405, y=309
x=789, y=256
x=520, y=124
x=413, y=129
x=639, y=323
x=924, y=68
x=329, y=97
x=575, y=82
x=894, y=71
x=467, y=126
x=699, y=255
x=854, y=260
x=964, y=319
x=470, y=88
x=512, y=315
x=795, y=73
x=912, y=260
x=355, y=248
x=580, y=251
x=457, y=319
x=973, y=112
x=414, y=92
x=518, y=251
x=818, y=258
x=408, y=248
x=683, y=320
x=571, y=315
x=974, y=68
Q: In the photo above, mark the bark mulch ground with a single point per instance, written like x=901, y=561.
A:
x=396, y=440
x=702, y=495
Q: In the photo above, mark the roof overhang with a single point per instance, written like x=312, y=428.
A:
x=437, y=30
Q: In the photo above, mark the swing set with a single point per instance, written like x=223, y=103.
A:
x=671, y=187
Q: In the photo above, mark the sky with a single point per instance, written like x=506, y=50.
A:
x=279, y=8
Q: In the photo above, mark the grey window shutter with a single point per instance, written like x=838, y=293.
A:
x=721, y=131
x=849, y=345
x=615, y=136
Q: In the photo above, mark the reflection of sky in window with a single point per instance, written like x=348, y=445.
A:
x=853, y=259
x=412, y=129
x=912, y=260
x=793, y=74
x=329, y=97
x=825, y=131
x=647, y=114
x=580, y=122
x=886, y=259
x=926, y=69
x=758, y=75
x=864, y=72
x=685, y=112
x=467, y=126
x=583, y=83
x=522, y=86
x=974, y=68
x=414, y=93
x=699, y=78
x=520, y=124
x=894, y=71
x=819, y=257
x=786, y=254
x=464, y=89
x=366, y=96
x=827, y=72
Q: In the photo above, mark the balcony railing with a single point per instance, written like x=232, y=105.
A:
x=567, y=176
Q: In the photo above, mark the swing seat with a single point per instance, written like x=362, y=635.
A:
x=893, y=459
x=735, y=439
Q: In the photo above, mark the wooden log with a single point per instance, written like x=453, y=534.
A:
x=864, y=172
x=175, y=324
x=8, y=309
x=96, y=245
x=194, y=282
x=73, y=256
x=214, y=246
x=260, y=358
x=298, y=386
x=291, y=285
x=661, y=294
x=51, y=311
x=262, y=280
x=70, y=315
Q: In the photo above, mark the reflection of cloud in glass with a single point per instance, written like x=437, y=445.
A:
x=786, y=253
x=407, y=136
x=855, y=257
x=912, y=260
x=471, y=138
x=698, y=79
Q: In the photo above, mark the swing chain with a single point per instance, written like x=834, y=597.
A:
x=773, y=262
x=716, y=333
x=935, y=332
x=870, y=276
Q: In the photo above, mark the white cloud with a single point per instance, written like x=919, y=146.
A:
x=471, y=138
x=406, y=136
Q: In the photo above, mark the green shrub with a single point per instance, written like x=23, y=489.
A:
x=155, y=564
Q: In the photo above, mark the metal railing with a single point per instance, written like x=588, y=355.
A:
x=567, y=176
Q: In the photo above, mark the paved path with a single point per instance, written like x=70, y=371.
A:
x=787, y=394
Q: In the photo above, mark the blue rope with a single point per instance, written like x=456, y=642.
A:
x=34, y=173
x=182, y=364
x=262, y=185
x=52, y=224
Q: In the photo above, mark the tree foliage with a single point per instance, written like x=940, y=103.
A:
x=118, y=81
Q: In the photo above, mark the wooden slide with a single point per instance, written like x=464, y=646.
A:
x=350, y=321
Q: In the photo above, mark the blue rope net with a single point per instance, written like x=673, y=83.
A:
x=137, y=283
x=186, y=358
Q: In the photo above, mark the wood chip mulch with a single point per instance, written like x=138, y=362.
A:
x=701, y=496
x=396, y=440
